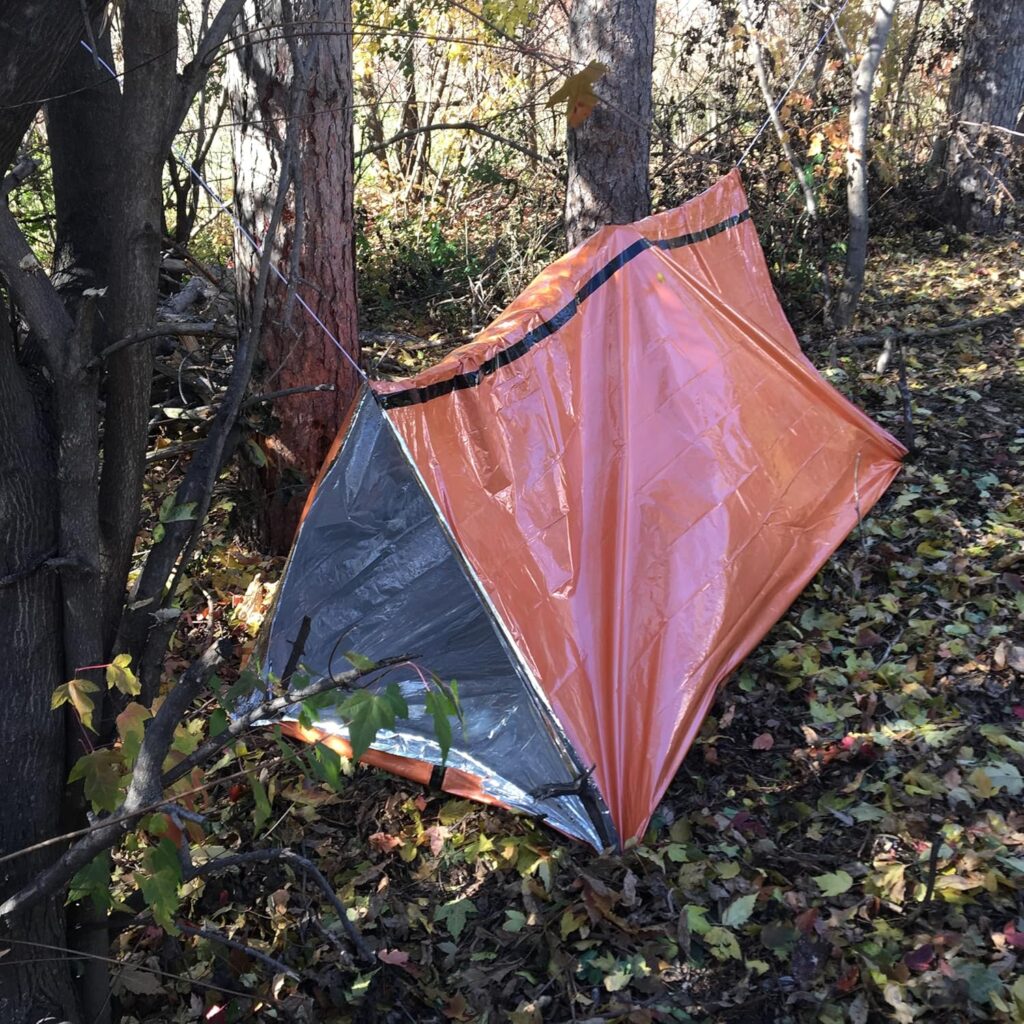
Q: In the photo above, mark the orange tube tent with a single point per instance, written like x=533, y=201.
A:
x=588, y=516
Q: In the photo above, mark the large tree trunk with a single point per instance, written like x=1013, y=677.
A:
x=36, y=36
x=857, y=164
x=609, y=153
x=986, y=95
x=82, y=130
x=34, y=983
x=295, y=350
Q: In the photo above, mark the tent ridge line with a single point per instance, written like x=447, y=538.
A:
x=474, y=378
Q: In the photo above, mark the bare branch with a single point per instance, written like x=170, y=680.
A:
x=212, y=935
x=469, y=126
x=162, y=330
x=20, y=172
x=195, y=71
x=272, y=396
x=304, y=865
x=145, y=789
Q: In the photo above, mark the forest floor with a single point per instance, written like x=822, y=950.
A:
x=844, y=842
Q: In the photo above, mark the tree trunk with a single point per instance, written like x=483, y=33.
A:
x=150, y=35
x=986, y=95
x=317, y=254
x=82, y=129
x=37, y=36
x=857, y=165
x=609, y=153
x=34, y=983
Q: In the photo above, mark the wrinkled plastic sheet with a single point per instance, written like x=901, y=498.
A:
x=642, y=471
x=376, y=573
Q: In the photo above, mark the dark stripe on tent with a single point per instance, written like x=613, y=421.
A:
x=414, y=396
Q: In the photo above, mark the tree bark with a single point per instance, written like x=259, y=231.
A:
x=33, y=985
x=317, y=251
x=37, y=36
x=609, y=153
x=986, y=95
x=857, y=164
x=151, y=37
x=82, y=129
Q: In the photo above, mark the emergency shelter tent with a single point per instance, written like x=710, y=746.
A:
x=587, y=516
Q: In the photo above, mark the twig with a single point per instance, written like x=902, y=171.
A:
x=215, y=936
x=908, y=414
x=162, y=330
x=933, y=870
x=20, y=574
x=856, y=503
x=307, y=866
x=145, y=789
x=78, y=954
x=941, y=331
x=468, y=126
x=298, y=647
x=117, y=818
x=271, y=396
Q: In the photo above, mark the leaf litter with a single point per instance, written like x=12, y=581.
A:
x=844, y=842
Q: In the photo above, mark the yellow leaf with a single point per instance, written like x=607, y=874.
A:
x=577, y=92
x=76, y=692
x=121, y=677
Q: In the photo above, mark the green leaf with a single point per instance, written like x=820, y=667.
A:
x=738, y=912
x=255, y=453
x=76, y=692
x=440, y=708
x=93, y=882
x=515, y=921
x=359, y=662
x=101, y=773
x=454, y=915
x=722, y=943
x=131, y=728
x=326, y=764
x=159, y=878
x=368, y=713
x=834, y=883
x=697, y=919
x=219, y=722
x=121, y=677
x=261, y=809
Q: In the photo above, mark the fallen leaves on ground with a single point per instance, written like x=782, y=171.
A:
x=844, y=843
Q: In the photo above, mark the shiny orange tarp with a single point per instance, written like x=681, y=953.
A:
x=643, y=472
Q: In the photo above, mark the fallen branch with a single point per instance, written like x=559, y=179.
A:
x=940, y=331
x=307, y=867
x=214, y=936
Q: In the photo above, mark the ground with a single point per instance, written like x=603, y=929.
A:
x=845, y=841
